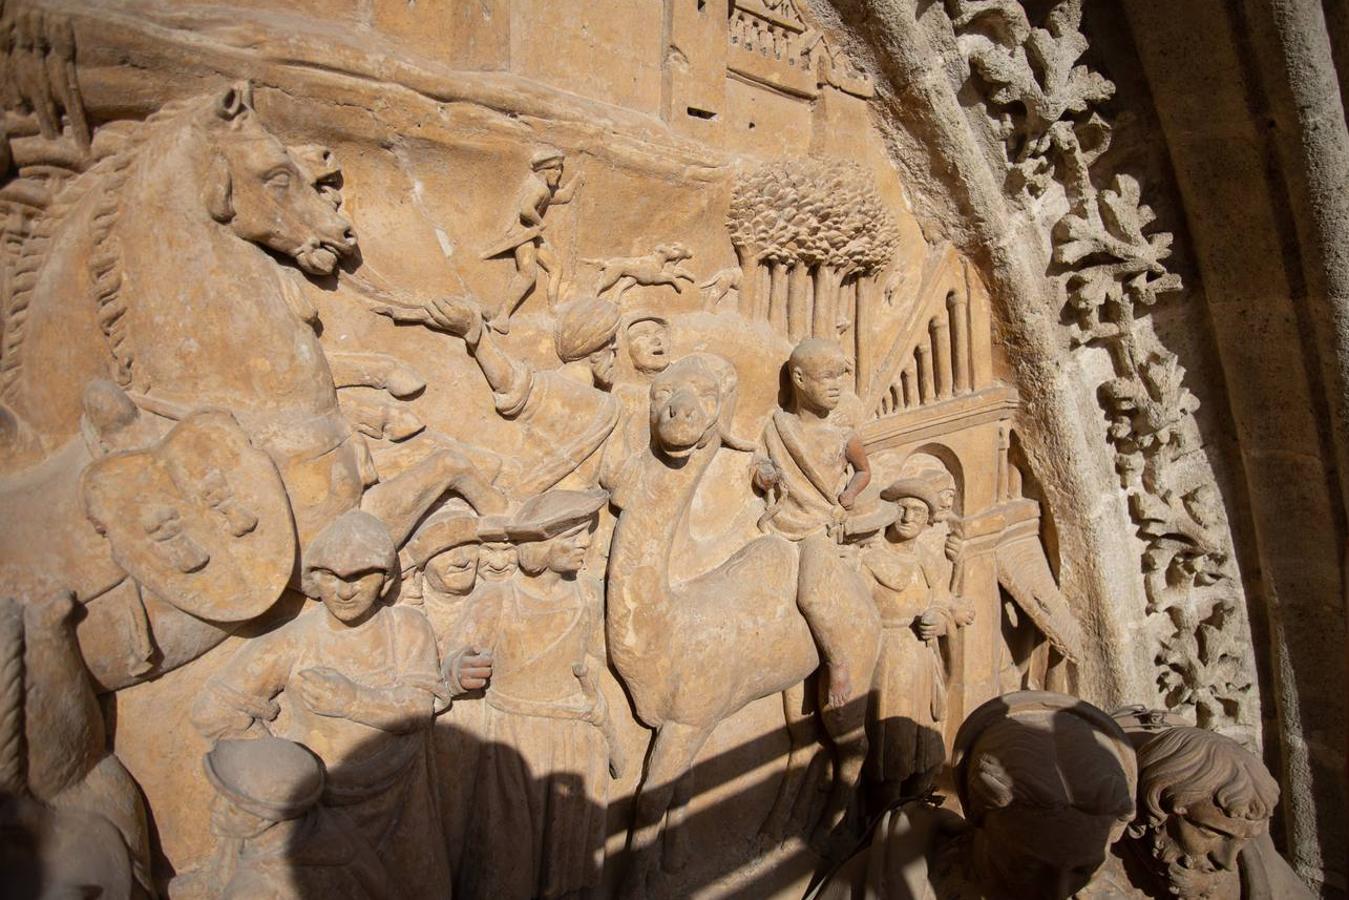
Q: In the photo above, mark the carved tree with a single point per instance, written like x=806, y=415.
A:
x=801, y=228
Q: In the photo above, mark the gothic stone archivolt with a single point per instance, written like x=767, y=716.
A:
x=421, y=475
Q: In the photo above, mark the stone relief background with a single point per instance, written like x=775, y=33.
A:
x=736, y=172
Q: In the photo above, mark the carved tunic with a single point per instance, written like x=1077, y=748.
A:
x=380, y=779
x=568, y=420
x=910, y=689
x=542, y=780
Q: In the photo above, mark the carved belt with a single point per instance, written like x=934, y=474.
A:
x=544, y=709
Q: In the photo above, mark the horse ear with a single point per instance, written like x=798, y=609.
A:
x=237, y=99
x=218, y=191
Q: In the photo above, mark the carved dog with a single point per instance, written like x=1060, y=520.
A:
x=657, y=267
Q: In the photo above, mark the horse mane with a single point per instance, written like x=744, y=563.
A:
x=104, y=180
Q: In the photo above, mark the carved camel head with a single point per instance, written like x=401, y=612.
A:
x=691, y=404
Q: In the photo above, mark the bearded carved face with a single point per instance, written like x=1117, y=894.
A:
x=1194, y=851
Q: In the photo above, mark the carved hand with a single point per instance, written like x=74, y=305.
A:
x=457, y=316
x=955, y=545
x=766, y=475
x=931, y=624
x=470, y=670
x=327, y=691
x=847, y=498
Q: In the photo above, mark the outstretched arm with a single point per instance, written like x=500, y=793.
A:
x=566, y=192
x=399, y=709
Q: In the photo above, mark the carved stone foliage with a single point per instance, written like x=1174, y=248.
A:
x=1109, y=268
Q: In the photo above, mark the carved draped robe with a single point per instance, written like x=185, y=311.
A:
x=909, y=702
x=381, y=780
x=541, y=786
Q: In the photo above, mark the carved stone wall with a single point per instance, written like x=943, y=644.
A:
x=457, y=397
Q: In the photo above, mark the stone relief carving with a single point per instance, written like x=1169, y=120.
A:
x=1110, y=269
x=444, y=589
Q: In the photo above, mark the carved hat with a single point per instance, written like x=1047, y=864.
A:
x=452, y=525
x=585, y=326
x=353, y=542
x=921, y=487
x=269, y=777
x=545, y=157
x=1031, y=708
x=635, y=318
x=553, y=512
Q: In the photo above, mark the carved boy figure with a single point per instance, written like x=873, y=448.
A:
x=274, y=840
x=525, y=238
x=541, y=809
x=1046, y=782
x=360, y=681
x=811, y=459
x=913, y=598
x=1204, y=805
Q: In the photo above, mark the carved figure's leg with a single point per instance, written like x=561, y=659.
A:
x=608, y=277
x=401, y=501
x=672, y=753
x=817, y=595
x=624, y=282
x=846, y=722
x=526, y=274
x=801, y=734
x=69, y=766
x=549, y=262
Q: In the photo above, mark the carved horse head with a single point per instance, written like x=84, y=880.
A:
x=265, y=192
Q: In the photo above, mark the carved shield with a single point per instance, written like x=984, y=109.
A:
x=201, y=519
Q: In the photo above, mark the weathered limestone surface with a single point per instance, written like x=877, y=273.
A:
x=523, y=448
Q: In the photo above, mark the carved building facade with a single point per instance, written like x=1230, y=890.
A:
x=477, y=394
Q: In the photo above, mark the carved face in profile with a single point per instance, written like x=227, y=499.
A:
x=265, y=195
x=1202, y=797
x=602, y=364
x=648, y=346
x=567, y=551
x=497, y=560
x=820, y=377
x=1198, y=850
x=454, y=571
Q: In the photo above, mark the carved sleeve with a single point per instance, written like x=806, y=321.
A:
x=243, y=693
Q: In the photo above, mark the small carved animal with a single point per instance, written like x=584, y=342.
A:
x=719, y=284
x=657, y=267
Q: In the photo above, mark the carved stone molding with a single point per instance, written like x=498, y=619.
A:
x=1110, y=269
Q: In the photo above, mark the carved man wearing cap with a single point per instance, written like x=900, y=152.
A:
x=916, y=608
x=524, y=237
x=567, y=412
x=1046, y=782
x=274, y=839
x=544, y=703
x=360, y=681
